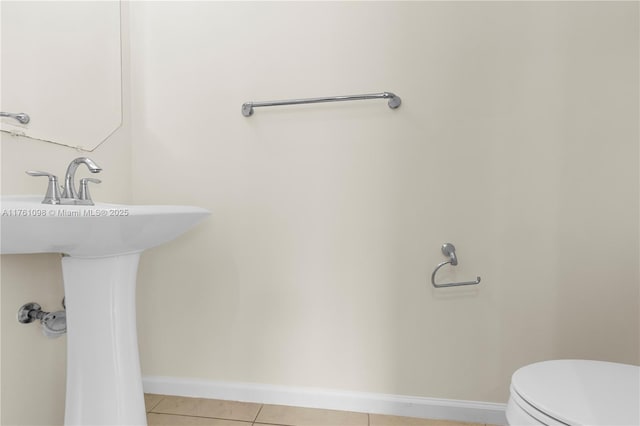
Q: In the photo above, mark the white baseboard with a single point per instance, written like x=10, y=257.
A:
x=397, y=405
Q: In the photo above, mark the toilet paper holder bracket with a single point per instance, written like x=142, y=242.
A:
x=449, y=251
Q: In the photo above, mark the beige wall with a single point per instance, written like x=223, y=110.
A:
x=517, y=141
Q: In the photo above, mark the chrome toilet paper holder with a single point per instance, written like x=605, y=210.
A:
x=449, y=251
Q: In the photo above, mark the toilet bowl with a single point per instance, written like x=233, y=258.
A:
x=576, y=393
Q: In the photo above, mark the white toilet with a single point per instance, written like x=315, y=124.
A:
x=575, y=392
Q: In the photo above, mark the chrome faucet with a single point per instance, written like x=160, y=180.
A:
x=69, y=193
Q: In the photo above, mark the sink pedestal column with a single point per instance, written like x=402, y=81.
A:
x=104, y=385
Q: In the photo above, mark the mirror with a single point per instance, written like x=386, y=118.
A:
x=61, y=65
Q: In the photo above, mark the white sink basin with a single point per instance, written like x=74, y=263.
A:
x=101, y=245
x=89, y=231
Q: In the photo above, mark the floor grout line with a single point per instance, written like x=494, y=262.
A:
x=270, y=424
x=157, y=403
x=201, y=417
x=255, y=419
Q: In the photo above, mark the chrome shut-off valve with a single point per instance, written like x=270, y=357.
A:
x=54, y=324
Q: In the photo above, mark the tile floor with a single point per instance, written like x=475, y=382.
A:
x=179, y=411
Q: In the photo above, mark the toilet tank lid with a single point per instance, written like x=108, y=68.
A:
x=581, y=392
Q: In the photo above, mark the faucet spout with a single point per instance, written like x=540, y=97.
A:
x=69, y=191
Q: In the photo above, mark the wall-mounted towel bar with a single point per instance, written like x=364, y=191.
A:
x=394, y=101
x=21, y=116
x=450, y=251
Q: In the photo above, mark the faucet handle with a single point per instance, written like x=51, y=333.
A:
x=53, y=190
x=84, y=195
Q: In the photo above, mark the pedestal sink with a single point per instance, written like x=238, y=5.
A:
x=101, y=246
